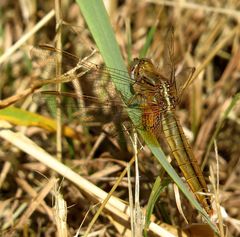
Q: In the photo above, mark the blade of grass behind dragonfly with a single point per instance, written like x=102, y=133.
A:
x=149, y=40
x=129, y=40
x=100, y=27
x=158, y=187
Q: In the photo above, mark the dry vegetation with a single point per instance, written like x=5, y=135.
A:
x=206, y=37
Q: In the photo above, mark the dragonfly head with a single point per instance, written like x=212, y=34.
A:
x=143, y=71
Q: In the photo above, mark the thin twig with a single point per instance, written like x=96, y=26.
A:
x=58, y=73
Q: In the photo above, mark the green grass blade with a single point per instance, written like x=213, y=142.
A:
x=98, y=22
x=25, y=118
x=149, y=40
x=158, y=187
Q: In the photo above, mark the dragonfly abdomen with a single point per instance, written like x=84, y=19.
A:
x=183, y=154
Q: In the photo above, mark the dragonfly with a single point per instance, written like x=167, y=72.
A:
x=156, y=94
x=159, y=116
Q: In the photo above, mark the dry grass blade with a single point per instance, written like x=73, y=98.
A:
x=35, y=202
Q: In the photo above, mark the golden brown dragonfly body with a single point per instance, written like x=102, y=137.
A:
x=160, y=97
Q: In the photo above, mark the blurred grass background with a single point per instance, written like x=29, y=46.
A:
x=206, y=37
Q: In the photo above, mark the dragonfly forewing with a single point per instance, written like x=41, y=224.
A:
x=75, y=68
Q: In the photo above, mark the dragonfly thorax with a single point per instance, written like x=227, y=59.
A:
x=156, y=88
x=165, y=96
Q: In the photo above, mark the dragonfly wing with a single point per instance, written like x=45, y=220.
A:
x=45, y=57
x=183, y=80
x=85, y=108
x=168, y=57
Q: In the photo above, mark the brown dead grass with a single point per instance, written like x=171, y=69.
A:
x=199, y=29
